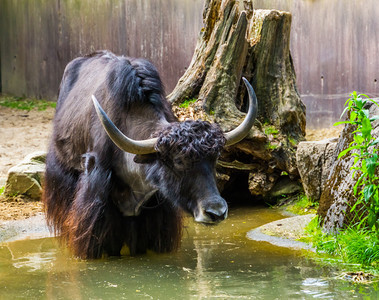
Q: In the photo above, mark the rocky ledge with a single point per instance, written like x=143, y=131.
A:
x=284, y=232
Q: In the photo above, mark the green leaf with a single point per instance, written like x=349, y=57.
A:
x=368, y=191
x=358, y=139
x=341, y=122
x=366, y=128
x=342, y=153
x=371, y=164
x=355, y=205
x=375, y=142
x=358, y=183
x=374, y=118
x=344, y=111
x=353, y=116
x=371, y=219
x=358, y=103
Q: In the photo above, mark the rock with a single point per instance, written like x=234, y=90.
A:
x=284, y=186
x=26, y=178
x=290, y=228
x=284, y=232
x=32, y=228
x=314, y=160
x=337, y=194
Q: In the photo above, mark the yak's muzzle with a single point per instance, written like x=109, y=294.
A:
x=211, y=211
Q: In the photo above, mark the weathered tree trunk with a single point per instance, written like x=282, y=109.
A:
x=253, y=44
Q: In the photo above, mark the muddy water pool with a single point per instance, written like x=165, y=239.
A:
x=214, y=262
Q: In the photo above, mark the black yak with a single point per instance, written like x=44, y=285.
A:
x=127, y=184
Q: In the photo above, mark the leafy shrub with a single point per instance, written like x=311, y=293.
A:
x=363, y=148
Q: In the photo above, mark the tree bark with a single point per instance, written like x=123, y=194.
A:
x=253, y=44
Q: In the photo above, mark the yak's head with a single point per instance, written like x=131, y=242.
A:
x=181, y=160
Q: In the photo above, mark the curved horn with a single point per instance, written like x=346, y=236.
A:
x=122, y=141
x=239, y=133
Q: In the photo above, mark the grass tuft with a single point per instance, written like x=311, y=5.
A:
x=302, y=206
x=25, y=103
x=351, y=245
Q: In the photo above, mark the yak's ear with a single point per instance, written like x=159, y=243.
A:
x=145, y=158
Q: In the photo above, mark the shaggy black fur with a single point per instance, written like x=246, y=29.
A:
x=81, y=185
x=189, y=142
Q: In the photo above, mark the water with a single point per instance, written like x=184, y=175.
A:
x=216, y=262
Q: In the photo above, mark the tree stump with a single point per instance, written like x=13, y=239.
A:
x=253, y=44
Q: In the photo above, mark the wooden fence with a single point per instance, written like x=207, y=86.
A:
x=334, y=43
x=335, y=49
x=39, y=37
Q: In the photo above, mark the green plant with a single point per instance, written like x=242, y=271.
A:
x=270, y=146
x=25, y=103
x=351, y=245
x=302, y=205
x=187, y=103
x=270, y=130
x=292, y=141
x=365, y=160
x=2, y=188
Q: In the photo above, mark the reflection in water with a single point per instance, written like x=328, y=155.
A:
x=214, y=262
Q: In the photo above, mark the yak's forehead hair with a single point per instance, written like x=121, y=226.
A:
x=190, y=140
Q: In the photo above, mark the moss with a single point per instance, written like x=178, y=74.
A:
x=270, y=130
x=187, y=103
x=301, y=205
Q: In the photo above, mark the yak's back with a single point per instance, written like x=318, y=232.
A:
x=118, y=83
x=122, y=80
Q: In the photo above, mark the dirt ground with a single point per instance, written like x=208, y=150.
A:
x=24, y=132
x=21, y=133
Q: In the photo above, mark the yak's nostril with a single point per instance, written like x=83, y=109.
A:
x=215, y=216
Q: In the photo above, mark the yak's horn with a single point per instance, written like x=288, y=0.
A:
x=122, y=141
x=243, y=129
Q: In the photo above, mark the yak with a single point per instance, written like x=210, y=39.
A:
x=120, y=168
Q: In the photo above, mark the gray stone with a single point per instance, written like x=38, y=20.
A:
x=284, y=232
x=26, y=178
x=31, y=228
x=284, y=186
x=314, y=160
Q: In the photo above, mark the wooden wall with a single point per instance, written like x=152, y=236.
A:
x=39, y=37
x=335, y=49
x=335, y=43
